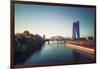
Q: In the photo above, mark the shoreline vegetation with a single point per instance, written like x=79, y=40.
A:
x=26, y=44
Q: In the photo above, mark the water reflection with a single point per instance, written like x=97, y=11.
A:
x=56, y=52
x=82, y=57
x=21, y=57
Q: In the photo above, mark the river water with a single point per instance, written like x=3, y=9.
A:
x=56, y=52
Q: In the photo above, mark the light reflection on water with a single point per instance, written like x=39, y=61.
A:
x=56, y=52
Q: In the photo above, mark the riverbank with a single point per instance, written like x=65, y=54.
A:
x=25, y=45
x=87, y=46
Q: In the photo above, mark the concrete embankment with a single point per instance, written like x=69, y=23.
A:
x=85, y=46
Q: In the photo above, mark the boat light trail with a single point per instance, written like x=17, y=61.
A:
x=85, y=49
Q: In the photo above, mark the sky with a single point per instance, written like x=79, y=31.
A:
x=53, y=20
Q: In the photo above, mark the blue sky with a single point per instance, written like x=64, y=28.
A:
x=53, y=20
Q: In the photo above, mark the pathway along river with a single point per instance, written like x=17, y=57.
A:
x=56, y=52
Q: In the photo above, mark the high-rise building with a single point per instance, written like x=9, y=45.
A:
x=76, y=30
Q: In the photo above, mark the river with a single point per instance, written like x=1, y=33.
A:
x=56, y=52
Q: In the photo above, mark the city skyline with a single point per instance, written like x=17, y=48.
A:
x=53, y=20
